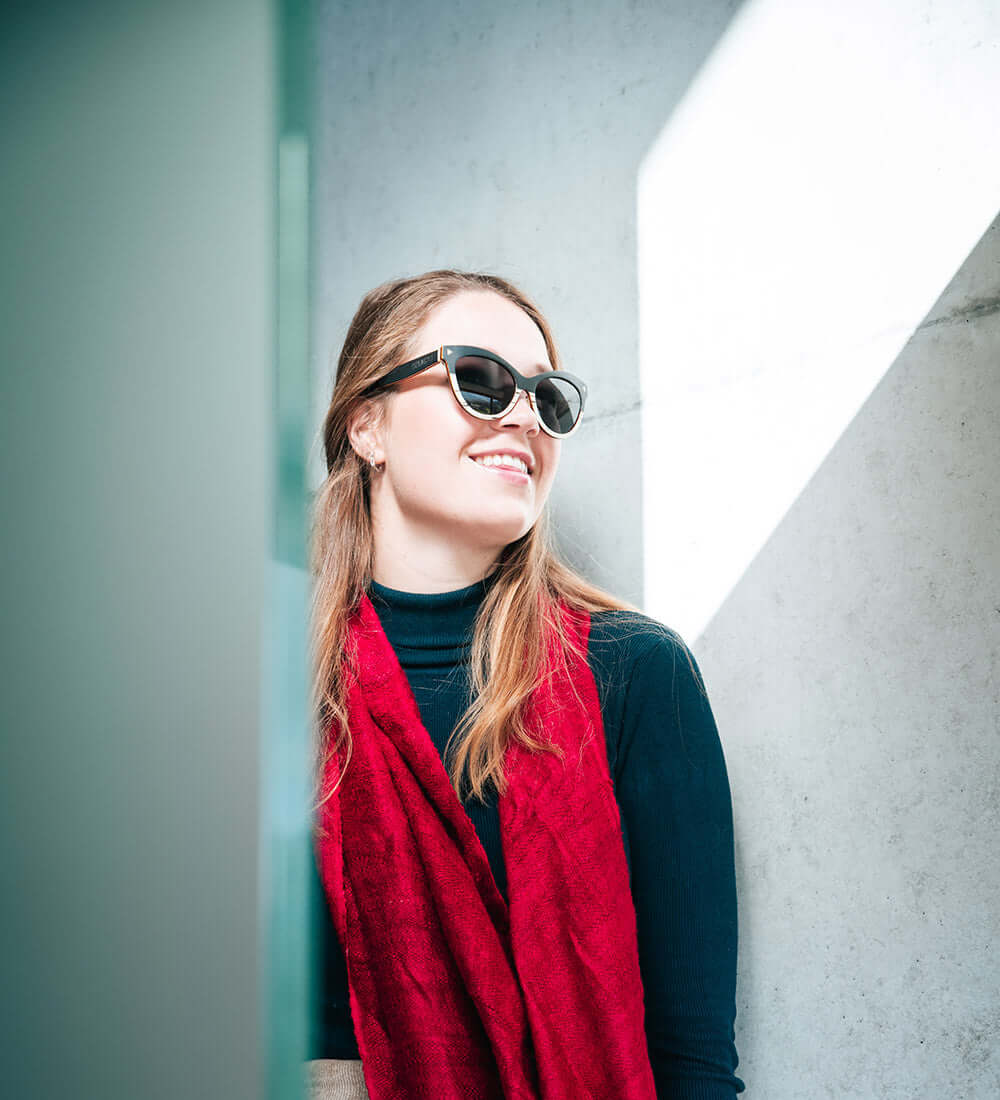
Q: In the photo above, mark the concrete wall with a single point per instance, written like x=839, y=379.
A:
x=853, y=669
x=507, y=138
x=855, y=673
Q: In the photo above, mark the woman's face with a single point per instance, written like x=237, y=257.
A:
x=431, y=487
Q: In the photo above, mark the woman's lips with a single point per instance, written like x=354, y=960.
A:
x=513, y=476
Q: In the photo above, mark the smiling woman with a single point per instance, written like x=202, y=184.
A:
x=523, y=821
x=442, y=523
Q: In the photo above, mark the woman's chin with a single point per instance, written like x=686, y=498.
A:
x=501, y=529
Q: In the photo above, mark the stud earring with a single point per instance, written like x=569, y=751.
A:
x=371, y=460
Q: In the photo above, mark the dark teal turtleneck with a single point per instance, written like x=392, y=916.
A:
x=672, y=789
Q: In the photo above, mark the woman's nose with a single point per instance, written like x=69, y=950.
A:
x=521, y=414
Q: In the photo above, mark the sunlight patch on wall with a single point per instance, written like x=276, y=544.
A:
x=829, y=170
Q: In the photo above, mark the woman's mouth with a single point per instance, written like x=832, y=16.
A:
x=510, y=473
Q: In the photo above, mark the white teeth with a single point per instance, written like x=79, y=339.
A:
x=503, y=460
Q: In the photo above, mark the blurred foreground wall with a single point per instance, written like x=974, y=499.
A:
x=135, y=431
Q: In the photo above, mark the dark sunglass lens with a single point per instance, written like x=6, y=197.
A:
x=559, y=404
x=485, y=386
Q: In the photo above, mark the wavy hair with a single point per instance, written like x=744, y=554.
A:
x=519, y=614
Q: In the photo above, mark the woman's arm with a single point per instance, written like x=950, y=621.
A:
x=673, y=791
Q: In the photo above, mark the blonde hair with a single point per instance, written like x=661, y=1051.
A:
x=519, y=610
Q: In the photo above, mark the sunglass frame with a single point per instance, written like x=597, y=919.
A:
x=449, y=354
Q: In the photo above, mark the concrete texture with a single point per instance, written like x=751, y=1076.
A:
x=508, y=139
x=854, y=670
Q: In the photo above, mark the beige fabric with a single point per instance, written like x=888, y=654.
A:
x=336, y=1079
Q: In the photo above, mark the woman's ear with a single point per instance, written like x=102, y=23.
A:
x=365, y=430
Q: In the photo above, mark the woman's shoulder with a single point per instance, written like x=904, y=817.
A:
x=654, y=700
x=633, y=635
x=623, y=641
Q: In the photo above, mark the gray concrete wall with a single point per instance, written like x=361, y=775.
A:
x=854, y=668
x=508, y=138
x=855, y=672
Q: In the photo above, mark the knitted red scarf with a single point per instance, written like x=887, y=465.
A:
x=455, y=994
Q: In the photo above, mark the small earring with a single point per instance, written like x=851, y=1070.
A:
x=371, y=460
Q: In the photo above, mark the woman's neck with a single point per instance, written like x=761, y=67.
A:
x=406, y=574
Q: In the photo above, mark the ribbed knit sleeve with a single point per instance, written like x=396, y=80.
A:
x=673, y=793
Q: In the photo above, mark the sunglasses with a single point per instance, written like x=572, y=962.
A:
x=487, y=387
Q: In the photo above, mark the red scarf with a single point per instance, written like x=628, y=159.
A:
x=455, y=994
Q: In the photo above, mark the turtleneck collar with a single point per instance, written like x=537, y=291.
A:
x=430, y=629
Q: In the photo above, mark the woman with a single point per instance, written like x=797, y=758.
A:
x=524, y=826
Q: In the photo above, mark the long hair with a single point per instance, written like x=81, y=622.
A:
x=519, y=613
